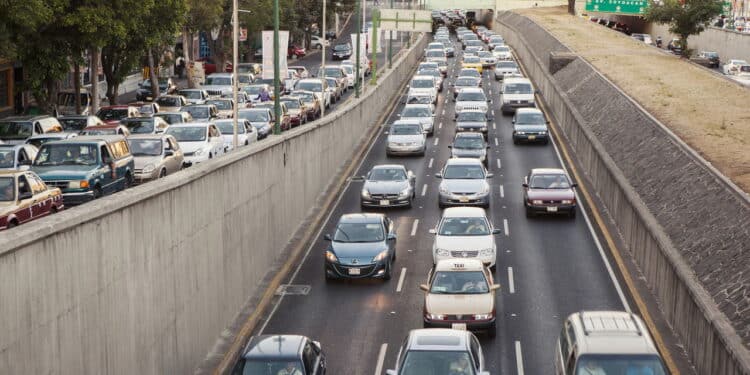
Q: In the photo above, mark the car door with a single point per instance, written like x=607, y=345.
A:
x=25, y=200
x=214, y=137
x=108, y=169
x=40, y=204
x=174, y=162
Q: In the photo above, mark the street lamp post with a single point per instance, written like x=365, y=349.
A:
x=323, y=53
x=276, y=69
x=359, y=40
x=235, y=52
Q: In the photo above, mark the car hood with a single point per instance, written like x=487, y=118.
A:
x=405, y=138
x=463, y=186
x=216, y=88
x=190, y=147
x=465, y=104
x=64, y=172
x=471, y=124
x=423, y=120
x=169, y=109
x=142, y=161
x=529, y=97
x=386, y=187
x=530, y=128
x=551, y=194
x=459, y=304
x=260, y=124
x=468, y=152
x=361, y=253
x=421, y=91
x=464, y=243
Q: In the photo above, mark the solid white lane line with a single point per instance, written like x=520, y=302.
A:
x=424, y=190
x=414, y=227
x=436, y=141
x=381, y=359
x=505, y=226
x=511, y=283
x=496, y=142
x=430, y=164
x=499, y=165
x=502, y=192
x=401, y=280
x=519, y=358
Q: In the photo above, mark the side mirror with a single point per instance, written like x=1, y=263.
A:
x=494, y=287
x=424, y=287
x=496, y=231
x=26, y=195
x=327, y=237
x=433, y=231
x=547, y=122
x=450, y=146
x=574, y=185
x=490, y=175
x=438, y=175
x=168, y=153
x=391, y=236
x=525, y=185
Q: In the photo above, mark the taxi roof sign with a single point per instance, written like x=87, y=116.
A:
x=459, y=265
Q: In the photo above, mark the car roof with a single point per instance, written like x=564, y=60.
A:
x=611, y=332
x=516, y=80
x=472, y=89
x=189, y=124
x=24, y=118
x=463, y=161
x=361, y=218
x=423, y=77
x=462, y=211
x=274, y=347
x=406, y=122
x=528, y=110
x=459, y=265
x=11, y=172
x=438, y=339
x=547, y=171
x=148, y=136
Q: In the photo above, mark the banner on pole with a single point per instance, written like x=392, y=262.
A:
x=406, y=20
x=363, y=37
x=267, y=37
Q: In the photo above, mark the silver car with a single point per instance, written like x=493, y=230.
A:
x=507, y=67
x=469, y=145
x=464, y=82
x=389, y=185
x=155, y=156
x=472, y=121
x=423, y=113
x=406, y=137
x=464, y=183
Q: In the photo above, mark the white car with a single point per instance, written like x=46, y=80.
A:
x=350, y=77
x=317, y=85
x=246, y=132
x=218, y=84
x=471, y=99
x=422, y=113
x=465, y=232
x=423, y=85
x=199, y=141
x=406, y=137
x=733, y=66
x=502, y=53
x=318, y=42
x=506, y=67
x=516, y=92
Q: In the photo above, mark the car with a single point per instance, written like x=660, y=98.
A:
x=645, y=38
x=171, y=103
x=194, y=96
x=464, y=183
x=460, y=291
x=201, y=112
x=465, y=82
x=469, y=145
x=435, y=73
x=675, y=45
x=707, y=59
x=487, y=58
x=337, y=72
x=434, y=46
x=145, y=108
x=243, y=100
x=76, y=123
x=261, y=118
x=155, y=156
x=733, y=66
x=423, y=113
x=471, y=99
x=145, y=125
x=224, y=107
x=25, y=197
x=406, y=137
x=549, y=191
x=495, y=41
x=302, y=72
x=295, y=51
x=253, y=68
x=342, y=51
x=317, y=42
x=502, y=52
x=114, y=129
x=350, y=75
x=281, y=355
x=145, y=93
x=17, y=157
x=530, y=125
x=388, y=185
x=175, y=117
x=439, y=351
x=290, y=80
x=86, y=167
x=246, y=132
x=218, y=84
x=472, y=51
x=450, y=51
x=606, y=342
x=298, y=110
x=362, y=246
x=472, y=120
x=465, y=232
x=423, y=85
x=285, y=122
x=243, y=79
x=253, y=91
x=317, y=85
x=435, y=55
x=469, y=72
x=311, y=101
x=335, y=89
x=199, y=141
x=503, y=68
x=38, y=140
x=516, y=92
x=114, y=113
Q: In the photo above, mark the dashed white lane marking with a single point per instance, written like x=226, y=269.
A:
x=511, y=283
x=424, y=190
x=440, y=126
x=499, y=165
x=381, y=359
x=401, y=280
x=502, y=191
x=414, y=227
x=436, y=141
x=519, y=358
x=494, y=126
x=496, y=142
x=505, y=226
x=443, y=112
x=430, y=164
x=493, y=112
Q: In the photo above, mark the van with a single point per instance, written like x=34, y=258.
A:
x=66, y=103
x=86, y=167
x=16, y=130
x=606, y=342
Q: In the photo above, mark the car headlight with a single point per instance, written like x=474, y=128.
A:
x=149, y=168
x=521, y=133
x=435, y=316
x=331, y=257
x=444, y=190
x=536, y=201
x=365, y=193
x=485, y=189
x=543, y=133
x=83, y=184
x=482, y=316
x=441, y=252
x=567, y=201
x=381, y=256
x=403, y=193
x=486, y=252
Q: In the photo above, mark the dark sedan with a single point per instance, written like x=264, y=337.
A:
x=281, y=354
x=342, y=51
x=363, y=246
x=549, y=191
x=144, y=92
x=389, y=185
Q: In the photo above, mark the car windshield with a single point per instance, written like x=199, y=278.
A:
x=140, y=126
x=112, y=114
x=292, y=104
x=471, y=117
x=466, y=82
x=419, y=99
x=359, y=232
x=471, y=143
x=466, y=172
x=464, y=226
x=145, y=147
x=168, y=102
x=711, y=54
x=471, y=60
x=253, y=90
x=348, y=69
x=219, y=81
x=196, y=112
x=7, y=157
x=484, y=54
x=223, y=105
x=309, y=86
x=533, y=118
x=38, y=142
x=416, y=112
x=226, y=127
x=66, y=154
x=517, y=88
x=549, y=181
x=422, y=83
x=387, y=174
x=459, y=282
x=429, y=72
x=188, y=133
x=73, y=124
x=406, y=129
x=496, y=39
x=470, y=73
x=502, y=49
x=191, y=94
x=471, y=96
x=441, y=363
x=435, y=53
x=619, y=364
x=254, y=116
x=333, y=72
x=170, y=118
x=271, y=367
x=341, y=47
x=506, y=65
x=430, y=65
x=244, y=78
x=332, y=83
x=7, y=189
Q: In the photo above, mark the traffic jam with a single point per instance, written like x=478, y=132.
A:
x=429, y=261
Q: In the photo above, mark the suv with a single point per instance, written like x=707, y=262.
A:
x=281, y=354
x=218, y=84
x=611, y=342
x=15, y=130
x=439, y=351
x=516, y=92
x=86, y=167
x=471, y=99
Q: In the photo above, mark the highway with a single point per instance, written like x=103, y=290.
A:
x=548, y=267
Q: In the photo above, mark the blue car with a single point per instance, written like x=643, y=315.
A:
x=363, y=246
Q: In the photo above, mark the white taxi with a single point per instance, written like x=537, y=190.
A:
x=460, y=294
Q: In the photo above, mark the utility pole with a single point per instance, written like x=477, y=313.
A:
x=374, y=43
x=276, y=69
x=235, y=78
x=390, y=43
x=323, y=54
x=359, y=59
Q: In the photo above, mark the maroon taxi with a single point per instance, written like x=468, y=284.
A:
x=549, y=191
x=25, y=197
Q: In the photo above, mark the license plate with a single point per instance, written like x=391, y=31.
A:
x=463, y=199
x=385, y=202
x=552, y=209
x=459, y=326
x=354, y=271
x=532, y=137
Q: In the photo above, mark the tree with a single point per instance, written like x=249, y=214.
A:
x=684, y=17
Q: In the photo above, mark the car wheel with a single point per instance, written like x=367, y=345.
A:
x=163, y=173
x=409, y=204
x=441, y=205
x=12, y=224
x=492, y=331
x=529, y=212
x=515, y=141
x=97, y=192
x=53, y=210
x=572, y=213
x=128, y=180
x=387, y=275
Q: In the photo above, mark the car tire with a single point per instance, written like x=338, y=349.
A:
x=492, y=331
x=163, y=173
x=388, y=268
x=441, y=205
x=12, y=224
x=572, y=213
x=128, y=180
x=409, y=204
x=53, y=210
x=97, y=192
x=529, y=212
x=515, y=141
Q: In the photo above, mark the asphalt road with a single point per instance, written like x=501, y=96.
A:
x=557, y=267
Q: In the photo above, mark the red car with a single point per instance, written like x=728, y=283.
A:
x=209, y=66
x=549, y=191
x=25, y=197
x=296, y=51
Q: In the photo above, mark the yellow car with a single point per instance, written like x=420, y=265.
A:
x=472, y=62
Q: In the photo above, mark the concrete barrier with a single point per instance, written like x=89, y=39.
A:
x=728, y=44
x=683, y=224
x=144, y=281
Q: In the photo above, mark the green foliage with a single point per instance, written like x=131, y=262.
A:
x=684, y=17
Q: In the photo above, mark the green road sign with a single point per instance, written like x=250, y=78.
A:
x=636, y=7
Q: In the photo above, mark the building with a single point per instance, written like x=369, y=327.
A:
x=7, y=92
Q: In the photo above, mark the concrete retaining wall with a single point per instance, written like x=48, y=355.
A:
x=684, y=225
x=143, y=282
x=729, y=44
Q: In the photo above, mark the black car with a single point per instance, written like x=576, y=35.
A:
x=707, y=58
x=281, y=354
x=363, y=245
x=166, y=87
x=342, y=51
